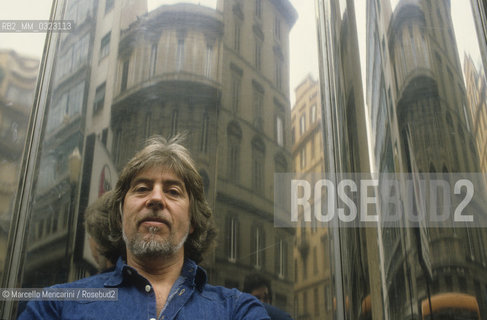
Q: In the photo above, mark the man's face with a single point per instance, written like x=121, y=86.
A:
x=262, y=293
x=156, y=219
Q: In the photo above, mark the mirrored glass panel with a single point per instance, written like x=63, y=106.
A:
x=336, y=89
x=226, y=74
x=404, y=83
x=20, y=56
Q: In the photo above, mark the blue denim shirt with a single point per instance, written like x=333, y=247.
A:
x=191, y=298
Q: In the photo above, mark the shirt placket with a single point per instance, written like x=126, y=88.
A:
x=177, y=302
x=150, y=298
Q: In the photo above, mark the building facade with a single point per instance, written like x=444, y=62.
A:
x=127, y=72
x=18, y=75
x=312, y=279
x=418, y=92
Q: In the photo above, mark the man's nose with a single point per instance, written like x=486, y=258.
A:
x=156, y=199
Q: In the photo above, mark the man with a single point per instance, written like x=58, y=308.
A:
x=160, y=212
x=104, y=251
x=260, y=287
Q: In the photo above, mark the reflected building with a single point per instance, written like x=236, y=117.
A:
x=254, y=142
x=312, y=281
x=355, y=277
x=49, y=240
x=421, y=122
x=125, y=73
x=185, y=68
x=476, y=95
x=60, y=188
x=420, y=119
x=18, y=75
x=399, y=92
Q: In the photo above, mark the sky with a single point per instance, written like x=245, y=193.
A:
x=303, y=39
x=303, y=47
x=29, y=44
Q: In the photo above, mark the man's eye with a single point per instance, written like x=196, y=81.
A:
x=174, y=192
x=141, y=189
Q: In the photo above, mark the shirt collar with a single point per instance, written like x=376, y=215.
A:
x=194, y=274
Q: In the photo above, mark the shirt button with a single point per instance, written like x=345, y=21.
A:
x=129, y=272
x=147, y=288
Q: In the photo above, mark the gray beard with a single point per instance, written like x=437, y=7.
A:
x=147, y=248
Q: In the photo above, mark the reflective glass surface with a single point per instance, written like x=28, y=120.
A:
x=258, y=87
x=404, y=83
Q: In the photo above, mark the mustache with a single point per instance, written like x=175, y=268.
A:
x=153, y=216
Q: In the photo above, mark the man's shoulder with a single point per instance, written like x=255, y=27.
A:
x=276, y=313
x=220, y=292
x=238, y=304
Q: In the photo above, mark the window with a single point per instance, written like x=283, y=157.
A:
x=258, y=161
x=80, y=53
x=279, y=131
x=236, y=37
x=281, y=257
x=302, y=124
x=280, y=194
x=234, y=134
x=174, y=123
x=99, y=97
x=204, y=133
x=278, y=74
x=236, y=83
x=125, y=75
x=257, y=247
x=277, y=28
x=109, y=5
x=313, y=114
x=180, y=54
x=258, y=8
x=258, y=105
x=258, y=54
x=232, y=238
x=153, y=59
x=147, y=128
x=233, y=161
x=105, y=45
x=209, y=58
